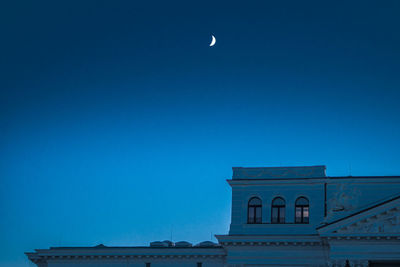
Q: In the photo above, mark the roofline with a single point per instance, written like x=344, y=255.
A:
x=268, y=236
x=127, y=247
x=43, y=255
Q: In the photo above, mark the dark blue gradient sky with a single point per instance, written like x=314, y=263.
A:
x=118, y=123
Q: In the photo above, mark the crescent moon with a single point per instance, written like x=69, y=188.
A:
x=213, y=40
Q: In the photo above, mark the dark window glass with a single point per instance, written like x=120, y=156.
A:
x=258, y=214
x=306, y=214
x=199, y=264
x=148, y=264
x=254, y=210
x=302, y=210
x=278, y=210
x=298, y=215
x=274, y=215
x=251, y=214
x=282, y=214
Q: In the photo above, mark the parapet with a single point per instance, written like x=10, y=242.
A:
x=279, y=172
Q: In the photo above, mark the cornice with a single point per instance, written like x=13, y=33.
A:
x=320, y=180
x=273, y=243
x=36, y=258
x=361, y=238
x=269, y=240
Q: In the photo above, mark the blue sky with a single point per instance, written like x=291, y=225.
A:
x=120, y=125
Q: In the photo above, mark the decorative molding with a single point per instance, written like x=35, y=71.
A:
x=374, y=237
x=45, y=258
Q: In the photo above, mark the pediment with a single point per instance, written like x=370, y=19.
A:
x=380, y=219
x=386, y=222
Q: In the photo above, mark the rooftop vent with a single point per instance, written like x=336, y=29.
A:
x=183, y=244
x=169, y=243
x=162, y=244
x=158, y=244
x=206, y=244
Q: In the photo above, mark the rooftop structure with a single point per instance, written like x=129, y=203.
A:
x=305, y=172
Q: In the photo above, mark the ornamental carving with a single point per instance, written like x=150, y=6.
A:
x=386, y=222
x=344, y=199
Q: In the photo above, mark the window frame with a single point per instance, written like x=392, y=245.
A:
x=280, y=208
x=255, y=208
x=302, y=209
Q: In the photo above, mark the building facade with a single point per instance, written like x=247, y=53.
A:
x=281, y=216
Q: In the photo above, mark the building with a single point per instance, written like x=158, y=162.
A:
x=281, y=216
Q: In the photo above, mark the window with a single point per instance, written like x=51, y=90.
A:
x=148, y=264
x=254, y=210
x=302, y=212
x=199, y=264
x=278, y=210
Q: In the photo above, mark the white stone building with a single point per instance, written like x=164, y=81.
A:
x=281, y=216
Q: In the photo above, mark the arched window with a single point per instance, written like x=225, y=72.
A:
x=278, y=210
x=302, y=211
x=254, y=210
